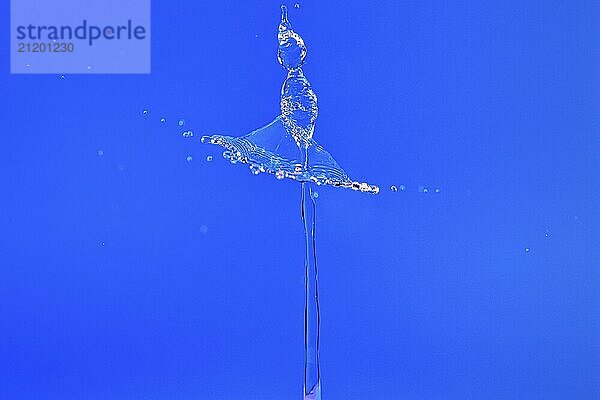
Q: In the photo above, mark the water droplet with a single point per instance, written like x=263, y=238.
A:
x=402, y=187
x=144, y=112
x=547, y=233
x=393, y=188
x=209, y=158
x=315, y=195
x=181, y=122
x=297, y=5
x=188, y=158
x=437, y=190
x=203, y=229
x=62, y=77
x=279, y=174
x=100, y=153
x=256, y=35
x=163, y=120
x=27, y=65
x=89, y=67
x=527, y=249
x=188, y=134
x=254, y=169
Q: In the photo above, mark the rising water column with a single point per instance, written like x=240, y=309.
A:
x=312, y=313
x=286, y=148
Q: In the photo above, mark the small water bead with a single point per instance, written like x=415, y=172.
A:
x=297, y=5
x=187, y=134
x=437, y=190
x=393, y=188
x=527, y=249
x=188, y=158
x=315, y=195
x=209, y=158
x=100, y=153
x=163, y=120
x=181, y=122
x=62, y=77
x=144, y=112
x=280, y=174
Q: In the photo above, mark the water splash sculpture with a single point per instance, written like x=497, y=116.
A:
x=286, y=148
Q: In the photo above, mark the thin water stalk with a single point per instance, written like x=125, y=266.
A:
x=312, y=317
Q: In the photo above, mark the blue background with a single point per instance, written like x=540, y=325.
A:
x=139, y=275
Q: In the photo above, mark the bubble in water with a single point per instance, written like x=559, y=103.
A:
x=297, y=5
x=163, y=120
x=187, y=134
x=315, y=195
x=89, y=67
x=547, y=233
x=209, y=158
x=62, y=77
x=144, y=111
x=393, y=188
x=100, y=153
x=181, y=122
x=280, y=174
x=27, y=65
x=527, y=249
x=437, y=190
x=188, y=158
